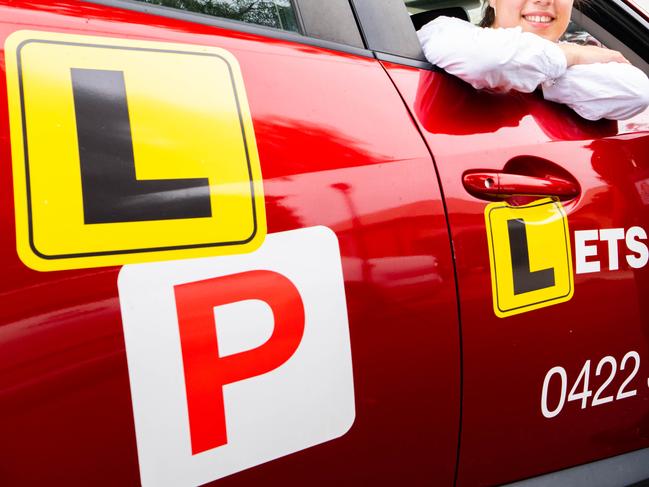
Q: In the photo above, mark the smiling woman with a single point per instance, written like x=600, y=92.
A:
x=517, y=48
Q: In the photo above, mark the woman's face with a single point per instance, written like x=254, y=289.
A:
x=546, y=18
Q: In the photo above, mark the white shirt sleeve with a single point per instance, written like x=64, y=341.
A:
x=615, y=91
x=497, y=59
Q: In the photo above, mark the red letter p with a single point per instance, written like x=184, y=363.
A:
x=206, y=372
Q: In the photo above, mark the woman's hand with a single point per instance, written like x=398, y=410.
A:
x=576, y=54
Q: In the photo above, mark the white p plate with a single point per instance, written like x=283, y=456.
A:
x=177, y=374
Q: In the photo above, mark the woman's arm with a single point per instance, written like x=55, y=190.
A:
x=595, y=82
x=498, y=59
x=616, y=91
x=578, y=54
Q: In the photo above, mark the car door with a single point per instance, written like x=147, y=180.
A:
x=336, y=149
x=553, y=304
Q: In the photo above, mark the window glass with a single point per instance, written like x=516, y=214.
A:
x=271, y=13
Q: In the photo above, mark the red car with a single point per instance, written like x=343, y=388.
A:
x=251, y=242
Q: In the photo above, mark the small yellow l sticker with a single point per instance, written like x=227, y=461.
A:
x=530, y=256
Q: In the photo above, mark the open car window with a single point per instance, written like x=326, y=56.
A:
x=581, y=30
x=423, y=11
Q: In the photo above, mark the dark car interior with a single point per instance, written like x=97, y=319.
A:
x=422, y=18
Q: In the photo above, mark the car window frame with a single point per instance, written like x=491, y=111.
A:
x=626, y=29
x=339, y=24
x=640, y=8
x=604, y=35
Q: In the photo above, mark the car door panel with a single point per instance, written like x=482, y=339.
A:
x=505, y=433
x=337, y=148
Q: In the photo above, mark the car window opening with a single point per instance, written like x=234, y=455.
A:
x=525, y=47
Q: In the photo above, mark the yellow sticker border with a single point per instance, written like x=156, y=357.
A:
x=492, y=260
x=113, y=43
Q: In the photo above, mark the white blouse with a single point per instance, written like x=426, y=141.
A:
x=510, y=59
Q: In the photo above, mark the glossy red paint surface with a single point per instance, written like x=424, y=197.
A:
x=504, y=434
x=337, y=148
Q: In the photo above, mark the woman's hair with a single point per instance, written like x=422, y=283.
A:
x=489, y=15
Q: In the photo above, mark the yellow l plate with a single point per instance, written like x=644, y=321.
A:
x=129, y=151
x=530, y=256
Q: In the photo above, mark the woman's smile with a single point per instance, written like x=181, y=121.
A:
x=538, y=18
x=546, y=18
